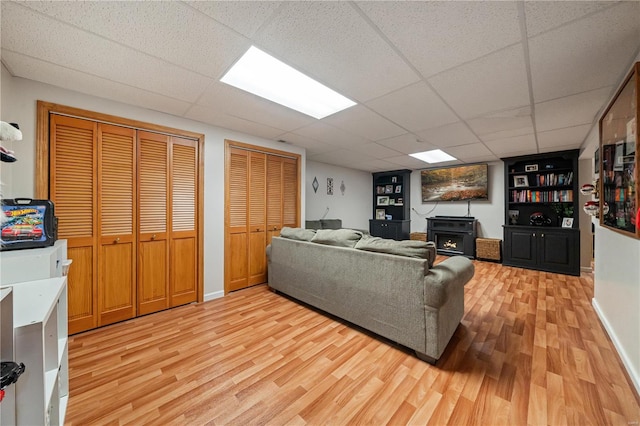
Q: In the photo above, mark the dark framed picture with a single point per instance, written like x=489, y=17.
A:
x=383, y=201
x=398, y=189
x=531, y=168
x=520, y=180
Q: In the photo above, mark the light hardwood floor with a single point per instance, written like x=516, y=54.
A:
x=530, y=350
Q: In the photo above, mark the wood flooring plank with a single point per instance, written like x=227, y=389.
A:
x=530, y=350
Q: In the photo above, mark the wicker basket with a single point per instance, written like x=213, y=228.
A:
x=488, y=249
x=420, y=236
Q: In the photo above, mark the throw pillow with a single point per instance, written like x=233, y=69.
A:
x=337, y=237
x=407, y=248
x=312, y=224
x=297, y=233
x=331, y=223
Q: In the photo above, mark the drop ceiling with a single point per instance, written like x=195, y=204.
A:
x=480, y=80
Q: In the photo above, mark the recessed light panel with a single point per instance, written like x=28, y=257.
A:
x=263, y=75
x=433, y=156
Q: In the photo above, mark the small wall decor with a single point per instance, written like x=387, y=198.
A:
x=521, y=180
x=329, y=186
x=531, y=168
x=315, y=184
x=342, y=187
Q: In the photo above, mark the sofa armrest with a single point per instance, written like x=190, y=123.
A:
x=453, y=272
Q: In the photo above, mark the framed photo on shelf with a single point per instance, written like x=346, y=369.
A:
x=567, y=222
x=388, y=189
x=380, y=189
x=380, y=214
x=398, y=189
x=531, y=168
x=383, y=200
x=394, y=179
x=520, y=180
x=392, y=201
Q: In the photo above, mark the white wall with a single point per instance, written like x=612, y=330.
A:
x=490, y=213
x=354, y=207
x=18, y=104
x=617, y=290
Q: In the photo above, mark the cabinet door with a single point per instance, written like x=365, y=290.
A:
x=237, y=262
x=73, y=189
x=556, y=251
x=117, y=258
x=519, y=247
x=183, y=286
x=153, y=248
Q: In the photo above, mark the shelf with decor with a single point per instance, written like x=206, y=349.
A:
x=541, y=212
x=391, y=205
x=618, y=160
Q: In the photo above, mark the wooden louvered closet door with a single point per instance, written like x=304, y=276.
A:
x=117, y=223
x=261, y=196
x=184, y=236
x=153, y=219
x=236, y=255
x=73, y=190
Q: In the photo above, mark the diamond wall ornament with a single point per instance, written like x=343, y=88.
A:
x=329, y=186
x=342, y=187
x=315, y=184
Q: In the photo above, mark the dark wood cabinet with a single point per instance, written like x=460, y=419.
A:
x=541, y=212
x=391, y=205
x=543, y=248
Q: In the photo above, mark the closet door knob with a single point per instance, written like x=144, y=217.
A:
x=116, y=241
x=153, y=237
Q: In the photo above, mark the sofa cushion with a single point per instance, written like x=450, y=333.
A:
x=407, y=248
x=312, y=224
x=331, y=223
x=297, y=233
x=337, y=237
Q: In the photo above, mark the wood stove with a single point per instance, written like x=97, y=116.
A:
x=453, y=235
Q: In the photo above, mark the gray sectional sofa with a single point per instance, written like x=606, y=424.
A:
x=388, y=287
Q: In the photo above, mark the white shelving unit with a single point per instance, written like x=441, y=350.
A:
x=8, y=405
x=40, y=327
x=39, y=333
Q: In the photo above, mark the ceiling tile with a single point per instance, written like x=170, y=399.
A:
x=158, y=28
x=408, y=162
x=436, y=36
x=571, y=60
x=331, y=135
x=34, y=69
x=311, y=145
x=517, y=145
x=251, y=107
x=571, y=110
x=546, y=15
x=415, y=107
x=375, y=150
x=225, y=121
x=361, y=121
x=39, y=37
x=492, y=83
x=407, y=143
x=570, y=136
x=341, y=157
x=449, y=135
x=245, y=17
x=503, y=124
x=468, y=153
x=330, y=42
x=374, y=166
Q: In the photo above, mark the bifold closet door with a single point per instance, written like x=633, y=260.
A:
x=92, y=185
x=237, y=199
x=257, y=218
x=117, y=223
x=184, y=235
x=73, y=190
x=153, y=219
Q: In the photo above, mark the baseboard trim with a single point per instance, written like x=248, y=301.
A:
x=633, y=374
x=213, y=295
